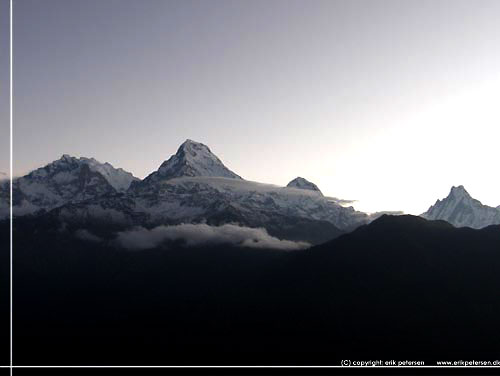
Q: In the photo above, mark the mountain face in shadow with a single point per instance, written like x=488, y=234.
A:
x=398, y=288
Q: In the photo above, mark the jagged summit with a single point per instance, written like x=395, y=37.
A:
x=459, y=192
x=118, y=178
x=302, y=183
x=192, y=159
x=461, y=210
x=67, y=179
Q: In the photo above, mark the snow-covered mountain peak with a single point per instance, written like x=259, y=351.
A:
x=461, y=210
x=192, y=159
x=191, y=146
x=459, y=192
x=65, y=163
x=118, y=178
x=67, y=179
x=301, y=183
x=65, y=159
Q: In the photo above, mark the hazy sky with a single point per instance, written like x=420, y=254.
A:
x=387, y=102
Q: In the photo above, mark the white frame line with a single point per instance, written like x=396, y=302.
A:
x=11, y=118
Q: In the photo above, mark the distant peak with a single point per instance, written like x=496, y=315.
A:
x=190, y=142
x=65, y=161
x=194, y=159
x=66, y=157
x=458, y=188
x=301, y=183
x=192, y=147
x=459, y=191
x=118, y=178
x=462, y=210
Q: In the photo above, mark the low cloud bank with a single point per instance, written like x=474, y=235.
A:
x=202, y=234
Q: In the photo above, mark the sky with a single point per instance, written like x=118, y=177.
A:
x=386, y=102
x=4, y=88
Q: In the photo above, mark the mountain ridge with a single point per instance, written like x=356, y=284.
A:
x=192, y=186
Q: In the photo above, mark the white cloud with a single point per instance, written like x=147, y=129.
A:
x=200, y=234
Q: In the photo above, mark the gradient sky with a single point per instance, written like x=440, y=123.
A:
x=386, y=102
x=4, y=88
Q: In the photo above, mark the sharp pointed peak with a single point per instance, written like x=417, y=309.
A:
x=300, y=178
x=193, y=159
x=191, y=147
x=302, y=183
x=189, y=141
